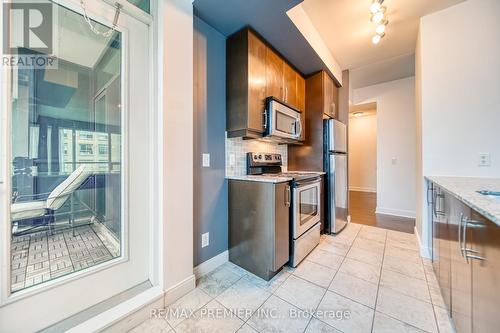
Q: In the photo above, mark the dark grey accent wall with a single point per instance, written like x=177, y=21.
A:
x=210, y=186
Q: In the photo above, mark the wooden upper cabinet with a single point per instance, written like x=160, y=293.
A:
x=301, y=92
x=274, y=74
x=290, y=85
x=255, y=71
x=246, y=84
x=256, y=81
x=329, y=100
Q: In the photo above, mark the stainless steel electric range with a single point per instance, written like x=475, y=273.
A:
x=305, y=202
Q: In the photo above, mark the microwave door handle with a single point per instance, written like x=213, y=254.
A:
x=265, y=119
x=299, y=124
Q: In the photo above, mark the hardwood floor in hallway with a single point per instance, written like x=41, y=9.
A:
x=362, y=207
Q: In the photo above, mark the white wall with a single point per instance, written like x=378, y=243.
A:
x=177, y=100
x=395, y=144
x=363, y=152
x=458, y=71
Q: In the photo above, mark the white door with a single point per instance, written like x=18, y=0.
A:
x=75, y=187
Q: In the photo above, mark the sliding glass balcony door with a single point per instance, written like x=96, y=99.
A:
x=77, y=192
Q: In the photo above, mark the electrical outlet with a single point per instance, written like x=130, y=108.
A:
x=394, y=160
x=205, y=239
x=484, y=160
x=206, y=160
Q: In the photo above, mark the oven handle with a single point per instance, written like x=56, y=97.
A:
x=307, y=182
x=288, y=196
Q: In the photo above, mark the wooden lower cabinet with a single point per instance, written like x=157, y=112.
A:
x=461, y=269
x=485, y=241
x=466, y=260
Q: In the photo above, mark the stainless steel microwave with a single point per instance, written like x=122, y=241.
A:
x=281, y=122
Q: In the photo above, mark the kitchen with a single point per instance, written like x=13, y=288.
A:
x=254, y=166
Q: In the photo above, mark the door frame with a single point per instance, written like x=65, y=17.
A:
x=156, y=204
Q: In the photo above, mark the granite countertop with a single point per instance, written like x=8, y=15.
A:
x=262, y=179
x=464, y=189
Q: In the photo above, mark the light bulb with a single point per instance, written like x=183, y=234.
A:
x=381, y=28
x=375, y=6
x=378, y=17
x=376, y=39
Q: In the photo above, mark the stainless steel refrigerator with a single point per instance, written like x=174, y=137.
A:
x=335, y=165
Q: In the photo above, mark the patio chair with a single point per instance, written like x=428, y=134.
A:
x=46, y=208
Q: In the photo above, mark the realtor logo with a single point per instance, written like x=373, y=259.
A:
x=28, y=33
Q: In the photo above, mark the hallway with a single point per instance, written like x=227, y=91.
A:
x=362, y=207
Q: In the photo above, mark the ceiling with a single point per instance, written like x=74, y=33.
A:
x=345, y=27
x=270, y=20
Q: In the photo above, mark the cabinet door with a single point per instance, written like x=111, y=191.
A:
x=301, y=102
x=274, y=75
x=256, y=82
x=328, y=96
x=485, y=239
x=435, y=229
x=461, y=273
x=290, y=85
x=442, y=211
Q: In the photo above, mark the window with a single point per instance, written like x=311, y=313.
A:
x=86, y=149
x=103, y=149
x=86, y=136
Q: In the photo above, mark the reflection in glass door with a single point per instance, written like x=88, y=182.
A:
x=66, y=135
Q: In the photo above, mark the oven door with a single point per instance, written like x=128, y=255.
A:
x=306, y=206
x=284, y=121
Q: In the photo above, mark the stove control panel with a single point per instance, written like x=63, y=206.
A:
x=262, y=159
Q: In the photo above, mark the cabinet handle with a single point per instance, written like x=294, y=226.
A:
x=460, y=225
x=286, y=94
x=467, y=222
x=472, y=256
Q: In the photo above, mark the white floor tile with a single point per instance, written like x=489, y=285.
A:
x=213, y=317
x=315, y=273
x=444, y=322
x=186, y=305
x=360, y=270
x=317, y=326
x=405, y=267
x=214, y=283
x=152, y=326
x=403, y=253
x=386, y=324
x=276, y=315
x=356, y=289
x=243, y=298
x=325, y=258
x=407, y=309
x=271, y=285
x=369, y=245
x=301, y=293
x=368, y=257
x=405, y=284
x=329, y=244
x=359, y=319
x=247, y=329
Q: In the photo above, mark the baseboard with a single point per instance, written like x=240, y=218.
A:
x=211, y=264
x=362, y=189
x=396, y=212
x=425, y=251
x=125, y=315
x=180, y=289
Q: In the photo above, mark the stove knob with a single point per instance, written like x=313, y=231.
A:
x=260, y=157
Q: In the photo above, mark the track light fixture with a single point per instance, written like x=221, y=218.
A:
x=378, y=17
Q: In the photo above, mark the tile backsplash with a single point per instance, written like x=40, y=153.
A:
x=239, y=148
